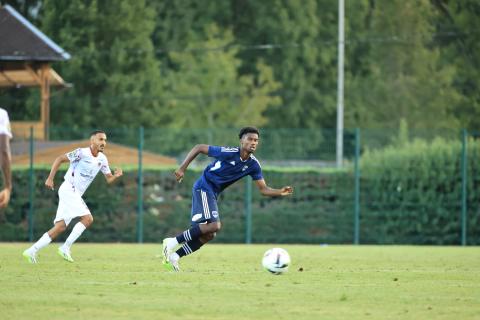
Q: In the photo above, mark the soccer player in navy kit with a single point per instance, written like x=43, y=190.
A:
x=230, y=165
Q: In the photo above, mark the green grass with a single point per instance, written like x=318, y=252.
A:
x=127, y=281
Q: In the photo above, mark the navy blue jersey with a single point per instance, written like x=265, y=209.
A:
x=227, y=168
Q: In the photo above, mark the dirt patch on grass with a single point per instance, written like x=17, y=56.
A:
x=116, y=154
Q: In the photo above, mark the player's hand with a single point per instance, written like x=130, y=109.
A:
x=4, y=197
x=49, y=184
x=286, y=191
x=118, y=172
x=179, y=175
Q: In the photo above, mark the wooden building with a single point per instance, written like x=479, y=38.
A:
x=25, y=57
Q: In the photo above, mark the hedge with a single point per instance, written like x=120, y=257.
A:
x=410, y=194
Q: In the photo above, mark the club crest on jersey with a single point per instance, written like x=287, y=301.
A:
x=245, y=167
x=196, y=217
x=99, y=164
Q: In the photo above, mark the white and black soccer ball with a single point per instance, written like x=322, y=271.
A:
x=276, y=260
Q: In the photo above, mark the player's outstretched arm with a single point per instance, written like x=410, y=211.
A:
x=5, y=159
x=56, y=164
x=270, y=192
x=117, y=173
x=199, y=148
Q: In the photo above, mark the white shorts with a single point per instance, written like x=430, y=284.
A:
x=70, y=205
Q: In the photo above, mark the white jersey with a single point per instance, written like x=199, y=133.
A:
x=84, y=167
x=5, y=123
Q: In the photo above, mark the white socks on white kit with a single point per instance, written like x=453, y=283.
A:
x=45, y=239
x=42, y=242
x=76, y=232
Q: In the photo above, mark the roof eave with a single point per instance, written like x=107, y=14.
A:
x=30, y=58
x=65, y=55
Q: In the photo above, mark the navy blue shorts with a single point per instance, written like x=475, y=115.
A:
x=204, y=207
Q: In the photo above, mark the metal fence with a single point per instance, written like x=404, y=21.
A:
x=330, y=205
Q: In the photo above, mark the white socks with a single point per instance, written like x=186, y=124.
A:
x=42, y=242
x=45, y=239
x=174, y=257
x=76, y=232
x=172, y=243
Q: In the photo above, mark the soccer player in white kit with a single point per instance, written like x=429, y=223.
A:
x=85, y=163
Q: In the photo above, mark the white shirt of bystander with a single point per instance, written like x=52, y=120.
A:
x=5, y=123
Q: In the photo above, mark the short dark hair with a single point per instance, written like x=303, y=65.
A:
x=246, y=130
x=94, y=132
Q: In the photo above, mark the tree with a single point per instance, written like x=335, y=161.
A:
x=303, y=56
x=27, y=8
x=153, y=62
x=457, y=25
x=207, y=90
x=402, y=76
x=115, y=75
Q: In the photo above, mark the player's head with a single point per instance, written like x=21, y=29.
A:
x=249, y=137
x=98, y=139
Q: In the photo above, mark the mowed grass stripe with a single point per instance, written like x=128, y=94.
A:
x=127, y=281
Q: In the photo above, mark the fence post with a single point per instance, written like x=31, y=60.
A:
x=464, y=187
x=140, y=187
x=248, y=210
x=356, y=235
x=31, y=189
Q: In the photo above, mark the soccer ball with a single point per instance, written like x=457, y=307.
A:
x=276, y=260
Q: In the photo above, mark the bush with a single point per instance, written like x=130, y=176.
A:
x=412, y=193
x=319, y=211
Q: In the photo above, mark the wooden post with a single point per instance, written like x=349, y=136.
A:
x=45, y=99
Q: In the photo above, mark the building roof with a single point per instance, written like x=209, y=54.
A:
x=22, y=41
x=24, y=75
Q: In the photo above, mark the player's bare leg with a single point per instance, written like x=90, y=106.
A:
x=57, y=229
x=86, y=220
x=209, y=228
x=207, y=237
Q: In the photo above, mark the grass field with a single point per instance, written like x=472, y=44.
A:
x=127, y=281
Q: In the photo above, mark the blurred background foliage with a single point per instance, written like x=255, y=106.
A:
x=187, y=63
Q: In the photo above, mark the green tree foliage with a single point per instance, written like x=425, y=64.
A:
x=413, y=60
x=209, y=92
x=27, y=8
x=402, y=75
x=459, y=41
x=180, y=21
x=302, y=55
x=113, y=69
x=301, y=60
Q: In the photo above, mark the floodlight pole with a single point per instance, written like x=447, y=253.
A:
x=341, y=53
x=140, y=186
